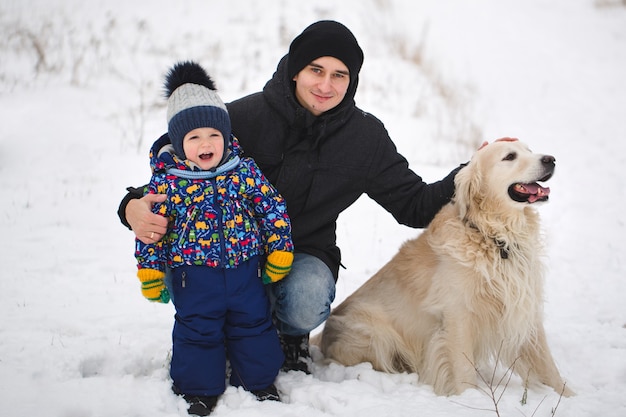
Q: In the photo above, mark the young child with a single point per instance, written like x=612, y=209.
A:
x=224, y=218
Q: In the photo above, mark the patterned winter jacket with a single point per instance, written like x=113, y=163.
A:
x=217, y=219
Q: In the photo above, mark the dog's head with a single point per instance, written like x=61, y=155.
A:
x=505, y=173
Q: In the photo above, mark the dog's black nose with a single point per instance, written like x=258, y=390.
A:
x=548, y=160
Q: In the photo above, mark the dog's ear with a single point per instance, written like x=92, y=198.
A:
x=467, y=188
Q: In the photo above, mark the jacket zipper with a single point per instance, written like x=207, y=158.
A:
x=186, y=228
x=220, y=223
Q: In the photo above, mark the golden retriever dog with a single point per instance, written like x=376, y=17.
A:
x=468, y=292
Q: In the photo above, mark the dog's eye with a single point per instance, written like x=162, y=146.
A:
x=510, y=157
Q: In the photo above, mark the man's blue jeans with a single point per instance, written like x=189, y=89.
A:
x=301, y=301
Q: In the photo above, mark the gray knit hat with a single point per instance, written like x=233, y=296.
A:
x=192, y=103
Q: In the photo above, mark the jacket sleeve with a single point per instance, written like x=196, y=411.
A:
x=403, y=193
x=152, y=256
x=133, y=193
x=270, y=211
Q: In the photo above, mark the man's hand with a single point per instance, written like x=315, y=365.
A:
x=147, y=226
x=485, y=143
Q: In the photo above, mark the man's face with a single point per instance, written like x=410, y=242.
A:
x=322, y=85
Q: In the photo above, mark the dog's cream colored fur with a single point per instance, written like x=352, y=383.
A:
x=468, y=290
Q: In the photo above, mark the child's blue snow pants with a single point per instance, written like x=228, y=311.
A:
x=218, y=312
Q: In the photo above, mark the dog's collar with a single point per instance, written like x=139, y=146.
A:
x=502, y=246
x=504, y=251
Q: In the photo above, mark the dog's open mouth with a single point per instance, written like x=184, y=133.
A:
x=529, y=193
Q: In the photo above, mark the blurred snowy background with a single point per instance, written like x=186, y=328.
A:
x=81, y=102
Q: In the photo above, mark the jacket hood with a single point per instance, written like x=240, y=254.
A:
x=280, y=92
x=163, y=157
x=280, y=95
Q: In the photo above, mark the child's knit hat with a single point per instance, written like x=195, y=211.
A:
x=192, y=103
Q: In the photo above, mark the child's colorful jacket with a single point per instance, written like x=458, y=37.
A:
x=217, y=219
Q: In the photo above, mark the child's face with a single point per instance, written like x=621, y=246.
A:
x=204, y=146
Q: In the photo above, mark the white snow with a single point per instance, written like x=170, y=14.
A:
x=81, y=102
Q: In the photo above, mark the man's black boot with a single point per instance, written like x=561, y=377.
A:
x=296, y=350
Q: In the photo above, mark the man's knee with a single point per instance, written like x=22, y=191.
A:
x=304, y=297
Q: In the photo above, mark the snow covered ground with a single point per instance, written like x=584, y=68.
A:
x=80, y=104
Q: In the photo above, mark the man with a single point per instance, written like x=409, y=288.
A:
x=322, y=153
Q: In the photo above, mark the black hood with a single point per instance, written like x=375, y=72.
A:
x=280, y=90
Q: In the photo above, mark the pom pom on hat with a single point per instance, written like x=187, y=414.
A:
x=193, y=103
x=325, y=38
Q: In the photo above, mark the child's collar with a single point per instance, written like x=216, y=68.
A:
x=229, y=165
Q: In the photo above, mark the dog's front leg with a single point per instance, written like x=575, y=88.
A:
x=449, y=358
x=461, y=346
x=537, y=364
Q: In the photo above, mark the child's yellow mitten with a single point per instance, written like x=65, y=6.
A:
x=277, y=266
x=153, y=286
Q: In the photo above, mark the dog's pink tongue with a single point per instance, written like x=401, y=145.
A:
x=536, y=192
